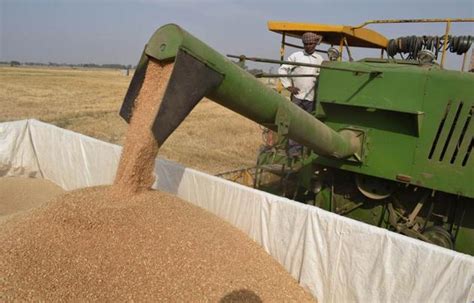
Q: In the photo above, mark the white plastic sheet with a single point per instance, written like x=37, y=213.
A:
x=17, y=156
x=336, y=258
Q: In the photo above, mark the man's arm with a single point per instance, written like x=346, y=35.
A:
x=286, y=69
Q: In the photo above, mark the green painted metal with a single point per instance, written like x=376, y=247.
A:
x=417, y=120
x=240, y=92
x=419, y=126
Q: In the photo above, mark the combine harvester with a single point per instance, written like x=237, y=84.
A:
x=388, y=144
x=408, y=165
x=394, y=148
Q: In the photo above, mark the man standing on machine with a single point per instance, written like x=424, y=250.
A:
x=302, y=88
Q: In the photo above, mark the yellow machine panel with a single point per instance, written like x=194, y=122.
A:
x=332, y=34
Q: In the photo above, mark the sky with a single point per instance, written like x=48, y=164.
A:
x=106, y=31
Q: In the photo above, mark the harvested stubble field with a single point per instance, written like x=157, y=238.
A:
x=212, y=139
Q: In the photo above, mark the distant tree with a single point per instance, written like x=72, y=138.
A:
x=15, y=63
x=115, y=66
x=91, y=65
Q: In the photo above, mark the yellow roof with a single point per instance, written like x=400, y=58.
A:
x=360, y=37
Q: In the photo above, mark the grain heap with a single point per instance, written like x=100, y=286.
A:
x=21, y=194
x=126, y=242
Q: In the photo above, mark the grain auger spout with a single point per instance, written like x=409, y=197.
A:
x=199, y=71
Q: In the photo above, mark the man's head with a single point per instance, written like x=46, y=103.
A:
x=310, y=41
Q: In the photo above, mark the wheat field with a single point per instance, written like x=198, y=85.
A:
x=211, y=139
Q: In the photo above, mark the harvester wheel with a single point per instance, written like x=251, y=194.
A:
x=439, y=236
x=374, y=188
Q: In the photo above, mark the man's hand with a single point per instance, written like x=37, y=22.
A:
x=293, y=90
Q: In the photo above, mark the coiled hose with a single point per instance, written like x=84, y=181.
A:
x=411, y=45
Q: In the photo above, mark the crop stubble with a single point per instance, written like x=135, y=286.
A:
x=127, y=242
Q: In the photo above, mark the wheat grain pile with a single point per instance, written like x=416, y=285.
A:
x=126, y=242
x=22, y=194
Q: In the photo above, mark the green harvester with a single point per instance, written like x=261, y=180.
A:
x=389, y=142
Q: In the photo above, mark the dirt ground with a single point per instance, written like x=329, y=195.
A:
x=212, y=139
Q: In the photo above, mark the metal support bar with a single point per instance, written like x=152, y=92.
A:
x=445, y=44
x=283, y=75
x=464, y=61
x=414, y=213
x=282, y=48
x=341, y=43
x=282, y=57
x=414, y=21
x=348, y=50
x=264, y=60
x=294, y=45
x=301, y=47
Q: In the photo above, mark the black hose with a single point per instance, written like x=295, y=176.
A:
x=412, y=45
x=460, y=45
x=392, y=48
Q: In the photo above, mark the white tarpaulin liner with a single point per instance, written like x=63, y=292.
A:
x=336, y=258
